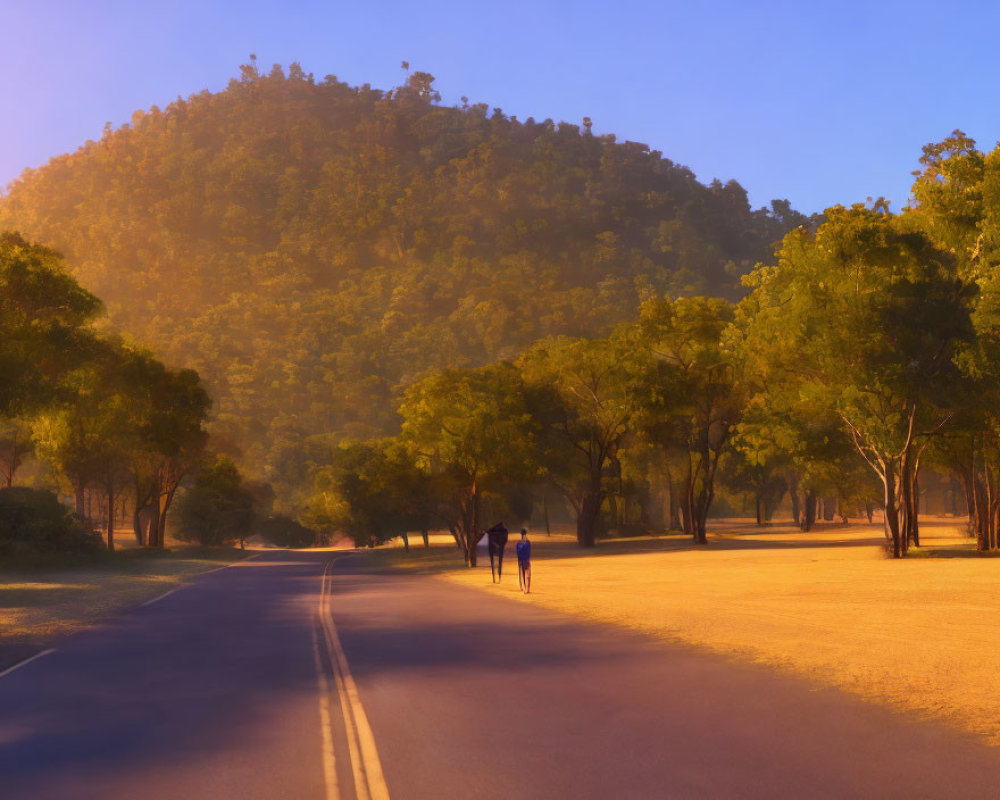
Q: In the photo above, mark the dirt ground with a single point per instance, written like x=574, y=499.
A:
x=921, y=634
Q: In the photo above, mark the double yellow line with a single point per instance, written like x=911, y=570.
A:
x=369, y=783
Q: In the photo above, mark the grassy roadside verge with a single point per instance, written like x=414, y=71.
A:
x=919, y=634
x=44, y=599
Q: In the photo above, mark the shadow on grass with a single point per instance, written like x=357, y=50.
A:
x=953, y=552
x=18, y=595
x=129, y=561
x=441, y=557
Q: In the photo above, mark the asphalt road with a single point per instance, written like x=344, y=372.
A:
x=241, y=685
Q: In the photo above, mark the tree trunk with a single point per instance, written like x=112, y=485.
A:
x=892, y=514
x=545, y=511
x=586, y=519
x=426, y=538
x=793, y=494
x=111, y=519
x=978, y=524
x=761, y=512
x=700, y=492
x=808, y=516
x=406, y=542
x=987, y=507
x=161, y=512
x=141, y=535
x=674, y=521
x=78, y=495
x=470, y=535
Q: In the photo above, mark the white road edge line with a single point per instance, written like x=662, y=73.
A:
x=160, y=597
x=227, y=566
x=198, y=575
x=28, y=660
x=329, y=759
x=375, y=780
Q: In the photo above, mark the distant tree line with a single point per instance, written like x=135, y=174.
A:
x=313, y=248
x=104, y=421
x=103, y=416
x=865, y=354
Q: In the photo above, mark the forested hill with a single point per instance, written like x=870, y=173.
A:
x=310, y=247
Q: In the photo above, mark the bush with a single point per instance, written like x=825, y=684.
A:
x=217, y=509
x=34, y=521
x=286, y=532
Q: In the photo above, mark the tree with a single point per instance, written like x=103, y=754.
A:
x=955, y=201
x=43, y=314
x=471, y=431
x=283, y=531
x=691, y=398
x=217, y=509
x=169, y=409
x=88, y=438
x=125, y=420
x=15, y=446
x=799, y=437
x=373, y=491
x=583, y=394
x=947, y=196
x=866, y=317
x=313, y=248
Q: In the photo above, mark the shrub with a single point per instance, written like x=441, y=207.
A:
x=217, y=509
x=284, y=531
x=34, y=521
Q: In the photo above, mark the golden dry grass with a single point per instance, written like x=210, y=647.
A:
x=39, y=604
x=921, y=634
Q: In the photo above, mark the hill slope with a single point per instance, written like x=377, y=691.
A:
x=310, y=247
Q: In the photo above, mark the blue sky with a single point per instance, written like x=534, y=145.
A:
x=821, y=103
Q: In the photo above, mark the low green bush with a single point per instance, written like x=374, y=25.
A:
x=286, y=532
x=34, y=521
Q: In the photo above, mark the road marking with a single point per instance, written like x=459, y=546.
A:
x=28, y=660
x=353, y=750
x=368, y=778
x=227, y=566
x=199, y=575
x=329, y=760
x=161, y=597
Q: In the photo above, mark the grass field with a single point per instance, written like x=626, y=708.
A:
x=42, y=601
x=921, y=634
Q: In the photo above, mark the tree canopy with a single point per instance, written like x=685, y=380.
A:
x=312, y=248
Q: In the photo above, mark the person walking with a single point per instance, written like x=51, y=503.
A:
x=496, y=538
x=524, y=562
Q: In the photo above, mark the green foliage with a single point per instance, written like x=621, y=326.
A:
x=217, y=509
x=472, y=433
x=34, y=521
x=864, y=320
x=373, y=491
x=311, y=248
x=283, y=531
x=43, y=312
x=948, y=194
x=583, y=395
x=692, y=396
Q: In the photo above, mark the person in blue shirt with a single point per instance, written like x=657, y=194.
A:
x=524, y=562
